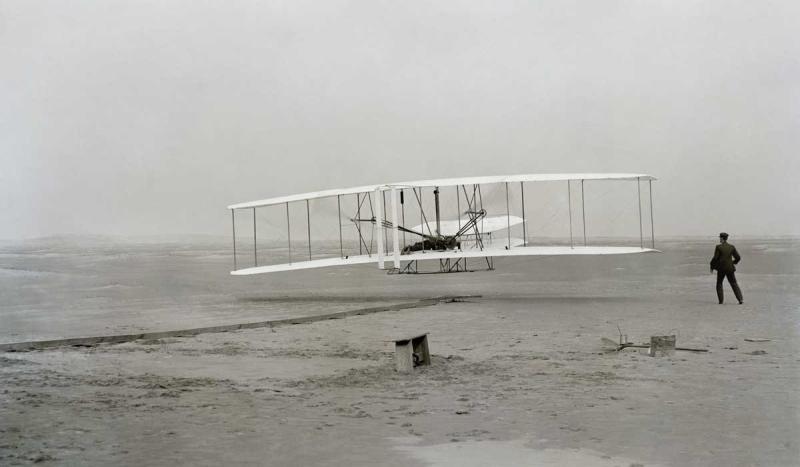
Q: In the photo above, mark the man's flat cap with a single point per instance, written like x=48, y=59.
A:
x=723, y=235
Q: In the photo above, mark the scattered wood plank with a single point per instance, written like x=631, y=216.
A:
x=613, y=346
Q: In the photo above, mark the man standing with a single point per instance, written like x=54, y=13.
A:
x=724, y=261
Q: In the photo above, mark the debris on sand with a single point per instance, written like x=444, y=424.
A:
x=41, y=458
x=661, y=345
x=611, y=346
x=756, y=339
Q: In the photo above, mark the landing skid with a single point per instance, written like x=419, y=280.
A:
x=446, y=266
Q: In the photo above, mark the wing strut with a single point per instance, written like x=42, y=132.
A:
x=308, y=219
x=255, y=240
x=421, y=214
x=385, y=215
x=403, y=213
x=639, y=199
x=583, y=211
x=339, y=208
x=233, y=224
x=361, y=240
x=652, y=229
x=358, y=214
x=524, y=230
x=458, y=206
x=436, y=202
x=289, y=233
x=372, y=212
x=395, y=232
x=423, y=218
x=508, y=218
x=569, y=203
x=380, y=229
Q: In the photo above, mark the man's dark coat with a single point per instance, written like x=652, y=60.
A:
x=725, y=258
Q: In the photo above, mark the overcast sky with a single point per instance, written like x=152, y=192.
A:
x=150, y=117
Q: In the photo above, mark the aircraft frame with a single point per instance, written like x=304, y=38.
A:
x=451, y=242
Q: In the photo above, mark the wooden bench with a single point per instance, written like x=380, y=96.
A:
x=410, y=352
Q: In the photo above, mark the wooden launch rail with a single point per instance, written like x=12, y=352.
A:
x=119, y=339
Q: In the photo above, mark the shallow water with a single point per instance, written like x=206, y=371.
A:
x=508, y=454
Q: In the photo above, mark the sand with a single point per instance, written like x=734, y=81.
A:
x=518, y=377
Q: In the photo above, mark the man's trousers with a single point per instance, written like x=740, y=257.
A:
x=732, y=281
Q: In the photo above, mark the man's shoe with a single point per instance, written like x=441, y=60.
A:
x=741, y=302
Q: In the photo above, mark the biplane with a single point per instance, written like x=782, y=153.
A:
x=447, y=221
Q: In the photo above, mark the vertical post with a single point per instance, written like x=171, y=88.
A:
x=639, y=198
x=422, y=215
x=308, y=223
x=524, y=227
x=339, y=208
x=379, y=225
x=395, y=232
x=458, y=207
x=436, y=203
x=569, y=203
x=480, y=199
x=385, y=214
x=508, y=218
x=652, y=228
x=358, y=219
x=421, y=218
x=403, y=213
x=255, y=240
x=583, y=211
x=233, y=224
x=289, y=232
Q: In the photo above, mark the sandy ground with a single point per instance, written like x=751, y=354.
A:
x=519, y=377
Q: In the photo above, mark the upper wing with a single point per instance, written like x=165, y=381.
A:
x=444, y=182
